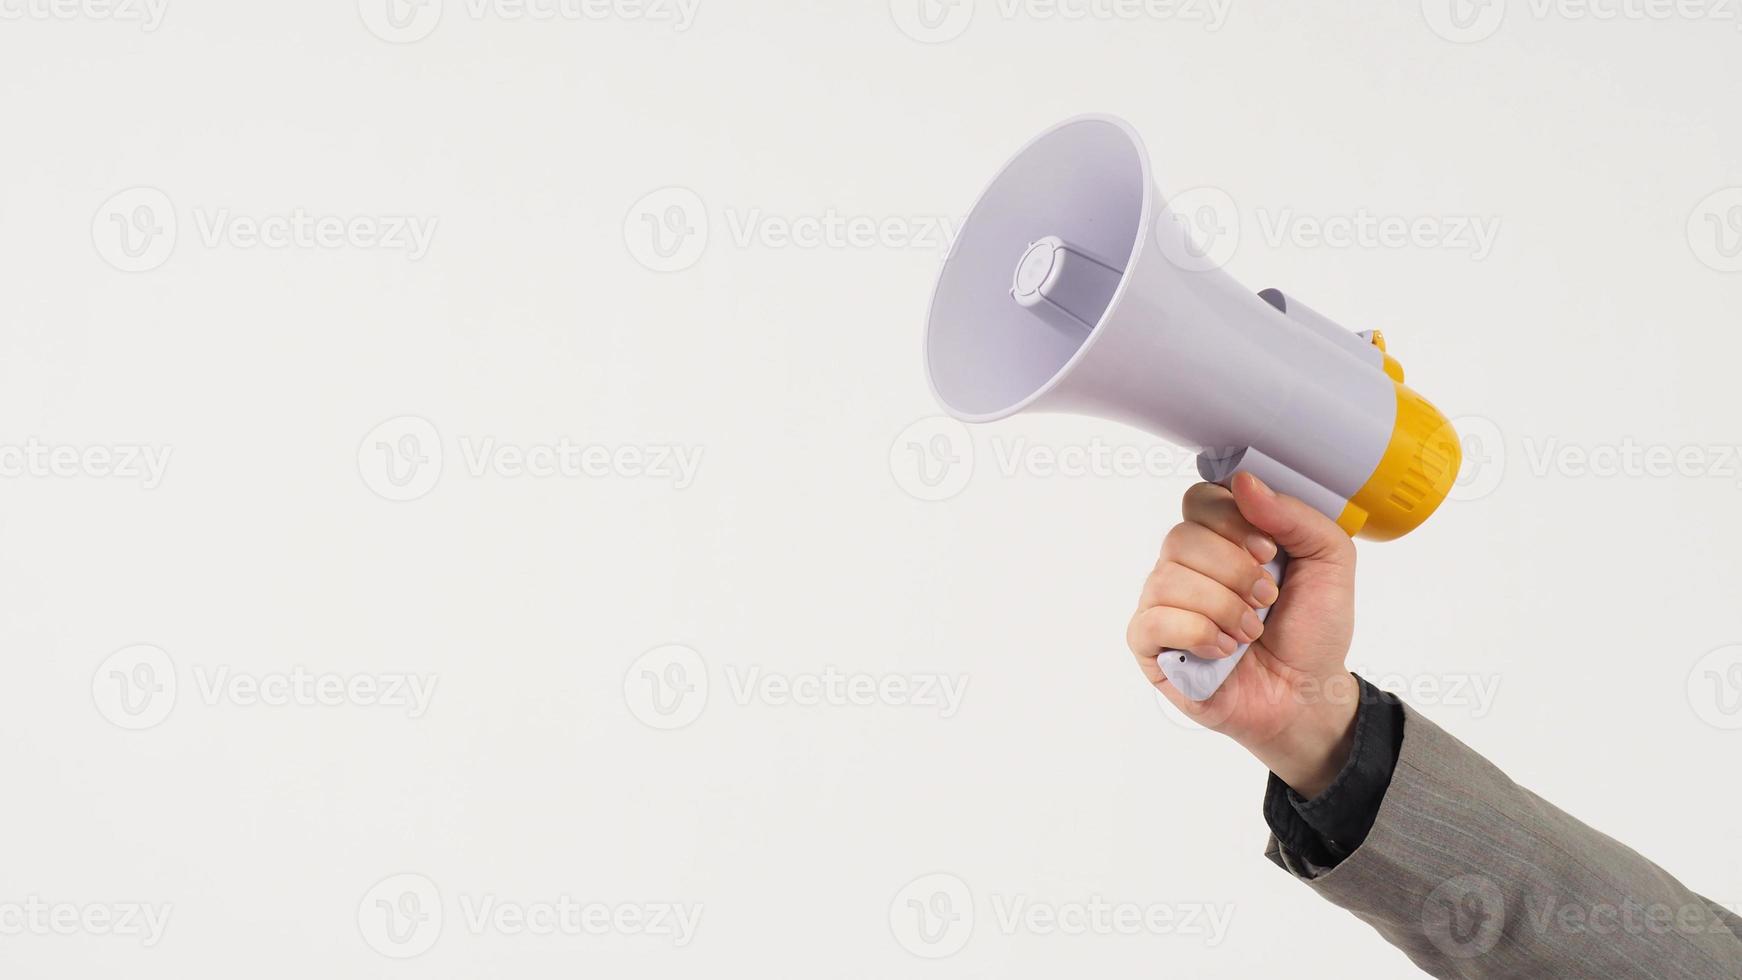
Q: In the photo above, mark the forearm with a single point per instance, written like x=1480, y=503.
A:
x=1473, y=876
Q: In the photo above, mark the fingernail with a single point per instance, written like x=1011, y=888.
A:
x=1265, y=592
x=1251, y=624
x=1227, y=643
x=1263, y=487
x=1261, y=547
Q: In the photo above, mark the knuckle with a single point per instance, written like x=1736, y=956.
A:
x=1204, y=500
x=1199, y=493
x=1204, y=632
x=1176, y=540
x=1136, y=630
x=1165, y=579
x=1233, y=609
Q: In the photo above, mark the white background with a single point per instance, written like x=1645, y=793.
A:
x=1589, y=598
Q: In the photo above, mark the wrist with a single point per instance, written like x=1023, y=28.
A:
x=1308, y=753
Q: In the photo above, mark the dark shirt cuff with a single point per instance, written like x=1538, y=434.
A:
x=1329, y=827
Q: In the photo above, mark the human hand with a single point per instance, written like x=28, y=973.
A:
x=1290, y=701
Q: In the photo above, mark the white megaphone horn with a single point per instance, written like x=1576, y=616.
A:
x=1072, y=287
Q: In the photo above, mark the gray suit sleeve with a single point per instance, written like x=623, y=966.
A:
x=1471, y=875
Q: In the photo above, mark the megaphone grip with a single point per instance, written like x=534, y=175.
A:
x=1199, y=677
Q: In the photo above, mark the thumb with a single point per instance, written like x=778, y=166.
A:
x=1299, y=530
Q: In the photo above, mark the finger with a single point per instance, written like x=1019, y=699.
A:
x=1208, y=553
x=1213, y=506
x=1160, y=628
x=1297, y=528
x=1180, y=587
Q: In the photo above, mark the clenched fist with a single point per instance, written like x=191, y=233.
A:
x=1290, y=701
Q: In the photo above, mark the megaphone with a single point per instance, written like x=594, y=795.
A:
x=1074, y=287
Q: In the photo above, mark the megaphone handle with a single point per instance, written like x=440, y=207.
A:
x=1199, y=677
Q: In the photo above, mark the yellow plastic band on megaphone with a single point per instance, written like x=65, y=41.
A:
x=1415, y=474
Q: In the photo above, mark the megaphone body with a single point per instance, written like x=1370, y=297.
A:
x=1073, y=287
